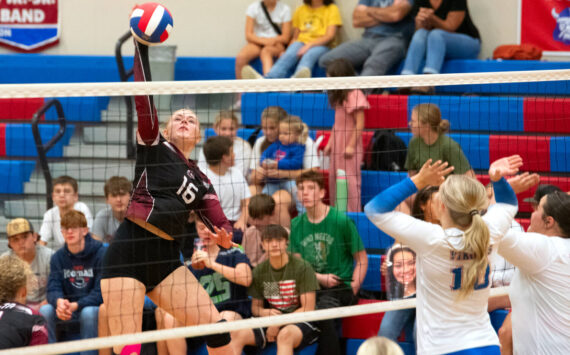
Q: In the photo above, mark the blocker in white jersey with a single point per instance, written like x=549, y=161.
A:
x=450, y=317
x=540, y=289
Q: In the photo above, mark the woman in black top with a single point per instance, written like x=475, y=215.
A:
x=443, y=30
x=144, y=255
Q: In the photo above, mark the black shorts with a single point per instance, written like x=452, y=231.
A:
x=309, y=330
x=139, y=254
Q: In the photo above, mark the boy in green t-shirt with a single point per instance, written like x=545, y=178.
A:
x=328, y=240
x=285, y=284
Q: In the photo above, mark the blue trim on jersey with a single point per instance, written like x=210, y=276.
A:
x=483, y=350
x=504, y=192
x=390, y=198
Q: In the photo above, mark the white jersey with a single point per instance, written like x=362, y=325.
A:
x=502, y=271
x=51, y=224
x=539, y=292
x=242, y=151
x=232, y=190
x=445, y=324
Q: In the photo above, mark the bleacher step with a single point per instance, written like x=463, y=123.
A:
x=89, y=170
x=86, y=188
x=77, y=149
x=35, y=208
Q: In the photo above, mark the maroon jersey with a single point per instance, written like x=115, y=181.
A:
x=21, y=326
x=167, y=185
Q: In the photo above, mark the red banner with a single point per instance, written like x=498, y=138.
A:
x=29, y=25
x=546, y=24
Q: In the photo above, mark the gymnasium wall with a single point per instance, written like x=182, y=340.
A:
x=215, y=27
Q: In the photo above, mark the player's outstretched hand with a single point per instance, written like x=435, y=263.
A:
x=522, y=182
x=505, y=167
x=222, y=238
x=432, y=174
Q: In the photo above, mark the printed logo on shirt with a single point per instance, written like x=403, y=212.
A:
x=281, y=294
x=279, y=154
x=78, y=276
x=321, y=244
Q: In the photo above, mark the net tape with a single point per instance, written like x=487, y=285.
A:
x=311, y=84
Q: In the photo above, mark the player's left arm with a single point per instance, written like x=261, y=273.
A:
x=148, y=128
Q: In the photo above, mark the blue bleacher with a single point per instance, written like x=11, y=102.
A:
x=20, y=140
x=559, y=148
x=372, y=237
x=373, y=280
x=13, y=173
x=86, y=109
x=313, y=108
x=468, y=113
x=374, y=182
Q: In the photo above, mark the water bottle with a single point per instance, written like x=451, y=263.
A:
x=341, y=190
x=199, y=245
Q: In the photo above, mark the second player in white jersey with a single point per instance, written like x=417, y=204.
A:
x=540, y=289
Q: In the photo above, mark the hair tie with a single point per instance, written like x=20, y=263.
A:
x=473, y=212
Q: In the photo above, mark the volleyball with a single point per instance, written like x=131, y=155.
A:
x=151, y=23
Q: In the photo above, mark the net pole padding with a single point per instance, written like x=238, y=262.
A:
x=206, y=329
x=272, y=85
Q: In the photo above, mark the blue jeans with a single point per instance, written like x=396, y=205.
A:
x=88, y=319
x=289, y=59
x=436, y=45
x=374, y=55
x=272, y=186
x=395, y=321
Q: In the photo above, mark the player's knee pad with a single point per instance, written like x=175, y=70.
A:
x=218, y=340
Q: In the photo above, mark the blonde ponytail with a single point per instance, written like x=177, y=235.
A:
x=464, y=198
x=477, y=241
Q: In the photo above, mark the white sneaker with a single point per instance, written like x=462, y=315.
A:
x=248, y=72
x=302, y=73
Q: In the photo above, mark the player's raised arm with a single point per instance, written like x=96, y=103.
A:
x=147, y=117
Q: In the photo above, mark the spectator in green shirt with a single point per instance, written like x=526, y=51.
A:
x=430, y=142
x=328, y=240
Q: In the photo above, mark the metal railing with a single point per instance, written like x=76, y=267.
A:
x=41, y=148
x=124, y=75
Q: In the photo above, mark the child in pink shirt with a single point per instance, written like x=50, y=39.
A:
x=345, y=143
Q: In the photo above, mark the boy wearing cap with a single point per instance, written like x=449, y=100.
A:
x=22, y=242
x=282, y=284
x=65, y=198
x=74, y=288
x=19, y=325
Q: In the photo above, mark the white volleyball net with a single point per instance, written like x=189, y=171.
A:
x=491, y=115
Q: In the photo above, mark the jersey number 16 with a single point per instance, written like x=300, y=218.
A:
x=187, y=191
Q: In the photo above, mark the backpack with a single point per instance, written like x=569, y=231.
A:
x=386, y=152
x=517, y=51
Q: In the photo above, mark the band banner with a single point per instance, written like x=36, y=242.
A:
x=29, y=25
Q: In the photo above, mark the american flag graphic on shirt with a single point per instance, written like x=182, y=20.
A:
x=281, y=294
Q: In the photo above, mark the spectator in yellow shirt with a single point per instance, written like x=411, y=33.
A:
x=315, y=25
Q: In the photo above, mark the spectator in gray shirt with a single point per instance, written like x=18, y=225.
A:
x=117, y=192
x=388, y=27
x=23, y=242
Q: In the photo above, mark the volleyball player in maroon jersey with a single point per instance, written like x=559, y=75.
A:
x=144, y=256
